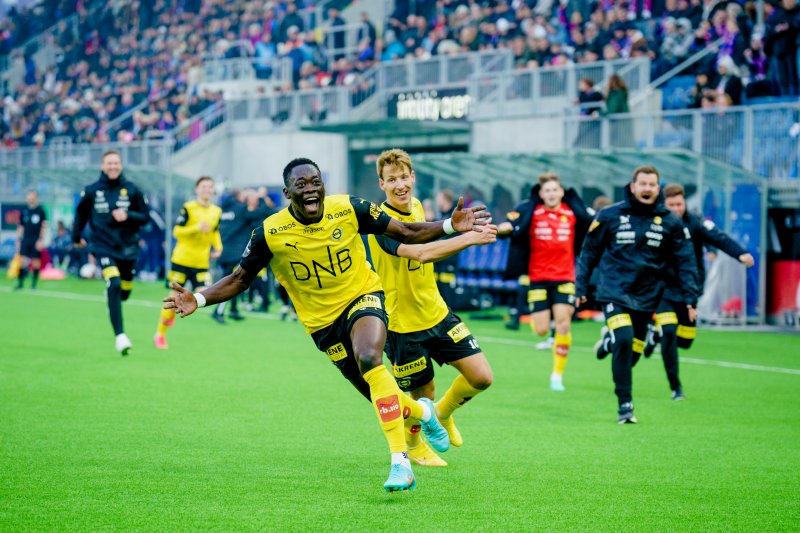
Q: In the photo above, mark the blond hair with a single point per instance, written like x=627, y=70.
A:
x=393, y=157
x=549, y=176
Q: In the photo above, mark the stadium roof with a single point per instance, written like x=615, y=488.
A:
x=586, y=168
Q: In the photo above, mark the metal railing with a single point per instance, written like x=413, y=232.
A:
x=147, y=153
x=44, y=49
x=764, y=139
x=548, y=90
x=199, y=124
x=293, y=108
x=277, y=70
x=349, y=36
x=445, y=71
x=674, y=71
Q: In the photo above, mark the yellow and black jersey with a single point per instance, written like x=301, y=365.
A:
x=412, y=297
x=193, y=245
x=323, y=266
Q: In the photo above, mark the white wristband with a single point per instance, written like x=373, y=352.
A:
x=201, y=300
x=447, y=226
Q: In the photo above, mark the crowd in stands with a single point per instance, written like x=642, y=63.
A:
x=138, y=51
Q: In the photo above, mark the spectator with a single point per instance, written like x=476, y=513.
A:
x=730, y=83
x=336, y=37
x=367, y=30
x=781, y=44
x=616, y=103
x=757, y=64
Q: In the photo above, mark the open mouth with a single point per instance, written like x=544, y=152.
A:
x=311, y=203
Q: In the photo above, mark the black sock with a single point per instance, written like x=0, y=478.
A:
x=21, y=276
x=34, y=278
x=114, y=296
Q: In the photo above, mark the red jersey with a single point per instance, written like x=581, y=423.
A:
x=552, y=244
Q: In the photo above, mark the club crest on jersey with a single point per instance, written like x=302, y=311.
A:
x=337, y=234
x=123, y=192
x=512, y=216
x=656, y=220
x=375, y=211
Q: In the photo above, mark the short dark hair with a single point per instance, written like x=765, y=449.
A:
x=201, y=179
x=674, y=189
x=108, y=152
x=296, y=162
x=647, y=169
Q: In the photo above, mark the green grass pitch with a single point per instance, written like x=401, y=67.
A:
x=247, y=427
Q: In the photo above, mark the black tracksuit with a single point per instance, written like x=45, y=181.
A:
x=677, y=331
x=634, y=246
x=114, y=244
x=236, y=224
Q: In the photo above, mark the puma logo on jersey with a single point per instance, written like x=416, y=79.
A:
x=292, y=245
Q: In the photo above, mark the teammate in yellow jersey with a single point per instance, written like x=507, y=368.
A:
x=315, y=249
x=197, y=233
x=422, y=328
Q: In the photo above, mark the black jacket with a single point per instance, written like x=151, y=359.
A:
x=236, y=225
x=634, y=246
x=520, y=218
x=108, y=237
x=704, y=233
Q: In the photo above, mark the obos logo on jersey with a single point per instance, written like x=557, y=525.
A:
x=388, y=408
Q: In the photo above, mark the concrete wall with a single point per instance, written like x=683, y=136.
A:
x=513, y=135
x=258, y=158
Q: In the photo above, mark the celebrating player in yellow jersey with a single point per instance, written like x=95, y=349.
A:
x=197, y=235
x=422, y=328
x=316, y=252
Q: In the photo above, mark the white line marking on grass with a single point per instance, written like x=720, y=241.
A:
x=496, y=340
x=707, y=362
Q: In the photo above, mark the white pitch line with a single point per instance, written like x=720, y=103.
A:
x=707, y=362
x=496, y=340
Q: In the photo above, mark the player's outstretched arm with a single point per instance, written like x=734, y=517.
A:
x=441, y=249
x=185, y=303
x=463, y=220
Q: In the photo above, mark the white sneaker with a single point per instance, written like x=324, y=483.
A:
x=123, y=344
x=557, y=382
x=546, y=344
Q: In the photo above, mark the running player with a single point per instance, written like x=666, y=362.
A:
x=422, y=328
x=197, y=234
x=31, y=231
x=115, y=209
x=549, y=227
x=674, y=329
x=633, y=244
x=316, y=252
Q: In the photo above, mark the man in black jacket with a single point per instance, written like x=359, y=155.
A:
x=115, y=209
x=674, y=329
x=780, y=44
x=235, y=226
x=633, y=244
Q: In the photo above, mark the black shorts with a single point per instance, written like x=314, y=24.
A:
x=198, y=277
x=27, y=248
x=334, y=340
x=545, y=294
x=113, y=267
x=411, y=353
x=676, y=313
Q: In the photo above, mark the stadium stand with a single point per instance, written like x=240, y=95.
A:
x=134, y=70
